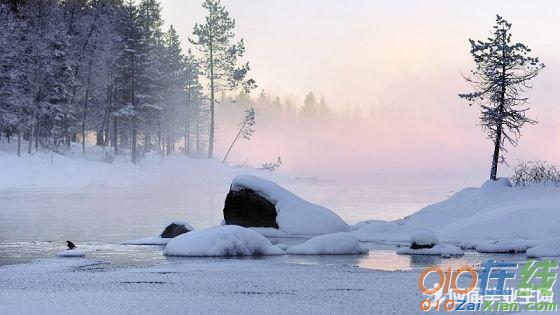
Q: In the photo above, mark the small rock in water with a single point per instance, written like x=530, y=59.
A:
x=70, y=245
x=423, y=239
x=174, y=229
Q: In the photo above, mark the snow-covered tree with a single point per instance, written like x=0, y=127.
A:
x=215, y=41
x=501, y=76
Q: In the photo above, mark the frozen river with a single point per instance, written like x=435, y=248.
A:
x=35, y=223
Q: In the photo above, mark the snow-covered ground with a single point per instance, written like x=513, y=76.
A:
x=495, y=216
x=207, y=286
x=74, y=170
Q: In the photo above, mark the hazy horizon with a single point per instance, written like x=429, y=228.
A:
x=406, y=57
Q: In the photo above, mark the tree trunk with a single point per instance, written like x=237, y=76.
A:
x=134, y=153
x=115, y=135
x=18, y=140
x=187, y=147
x=212, y=103
x=499, y=125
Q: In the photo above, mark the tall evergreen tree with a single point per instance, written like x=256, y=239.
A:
x=502, y=74
x=215, y=40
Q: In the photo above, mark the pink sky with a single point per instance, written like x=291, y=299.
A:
x=406, y=56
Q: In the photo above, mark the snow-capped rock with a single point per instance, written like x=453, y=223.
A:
x=503, y=246
x=226, y=240
x=329, y=244
x=293, y=214
x=172, y=230
x=423, y=239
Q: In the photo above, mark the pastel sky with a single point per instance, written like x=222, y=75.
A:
x=407, y=55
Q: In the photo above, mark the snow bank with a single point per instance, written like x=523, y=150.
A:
x=73, y=169
x=158, y=240
x=549, y=248
x=495, y=211
x=444, y=250
x=294, y=215
x=389, y=232
x=226, y=240
x=503, y=246
x=72, y=253
x=329, y=244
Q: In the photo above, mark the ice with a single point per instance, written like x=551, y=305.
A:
x=329, y=244
x=72, y=253
x=444, y=250
x=225, y=240
x=294, y=215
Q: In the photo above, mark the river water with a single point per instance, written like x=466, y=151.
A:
x=35, y=223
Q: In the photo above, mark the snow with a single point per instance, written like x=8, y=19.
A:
x=495, y=211
x=424, y=238
x=294, y=215
x=150, y=240
x=387, y=232
x=225, y=240
x=329, y=244
x=158, y=240
x=503, y=246
x=445, y=250
x=75, y=170
x=548, y=248
x=205, y=286
x=72, y=253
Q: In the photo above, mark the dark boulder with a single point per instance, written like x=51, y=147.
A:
x=415, y=245
x=245, y=207
x=174, y=229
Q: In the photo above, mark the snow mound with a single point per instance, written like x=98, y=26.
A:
x=503, y=246
x=495, y=211
x=444, y=250
x=226, y=240
x=293, y=214
x=72, y=253
x=549, y=248
x=390, y=232
x=329, y=244
x=158, y=240
x=424, y=238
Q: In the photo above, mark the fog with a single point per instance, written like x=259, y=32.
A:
x=401, y=64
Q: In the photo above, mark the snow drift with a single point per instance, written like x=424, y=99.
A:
x=293, y=214
x=330, y=244
x=495, y=211
x=226, y=240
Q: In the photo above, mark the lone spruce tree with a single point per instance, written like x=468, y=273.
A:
x=501, y=77
x=215, y=41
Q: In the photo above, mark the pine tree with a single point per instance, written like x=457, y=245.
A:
x=502, y=74
x=214, y=39
x=194, y=99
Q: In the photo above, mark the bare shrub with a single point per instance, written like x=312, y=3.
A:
x=527, y=172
